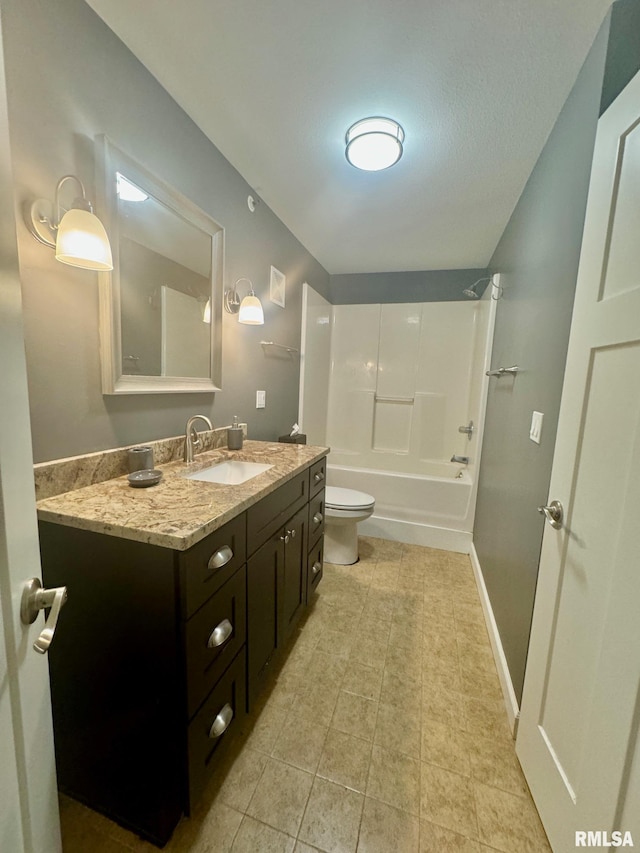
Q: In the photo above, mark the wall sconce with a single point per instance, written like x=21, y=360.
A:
x=77, y=236
x=249, y=309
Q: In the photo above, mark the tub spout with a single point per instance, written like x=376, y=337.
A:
x=463, y=460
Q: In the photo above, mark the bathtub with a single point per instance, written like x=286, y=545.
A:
x=432, y=508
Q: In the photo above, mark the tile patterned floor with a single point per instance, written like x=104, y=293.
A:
x=384, y=731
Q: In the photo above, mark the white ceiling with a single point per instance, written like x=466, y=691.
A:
x=476, y=84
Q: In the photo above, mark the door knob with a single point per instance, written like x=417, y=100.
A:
x=553, y=513
x=35, y=599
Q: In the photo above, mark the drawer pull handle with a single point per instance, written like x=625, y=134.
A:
x=318, y=476
x=316, y=567
x=221, y=722
x=317, y=518
x=220, y=634
x=220, y=557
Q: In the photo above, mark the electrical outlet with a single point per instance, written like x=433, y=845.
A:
x=261, y=399
x=535, y=430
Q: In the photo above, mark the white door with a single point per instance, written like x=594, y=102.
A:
x=578, y=734
x=28, y=797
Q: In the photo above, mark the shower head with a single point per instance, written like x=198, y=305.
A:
x=471, y=291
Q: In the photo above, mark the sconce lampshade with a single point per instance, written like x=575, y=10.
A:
x=251, y=313
x=82, y=241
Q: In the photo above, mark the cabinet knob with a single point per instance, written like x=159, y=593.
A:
x=317, y=518
x=285, y=538
x=292, y=533
x=316, y=567
x=220, y=634
x=220, y=557
x=318, y=476
x=221, y=722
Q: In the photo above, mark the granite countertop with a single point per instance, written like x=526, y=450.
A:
x=178, y=512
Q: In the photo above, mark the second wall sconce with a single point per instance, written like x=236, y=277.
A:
x=249, y=309
x=78, y=236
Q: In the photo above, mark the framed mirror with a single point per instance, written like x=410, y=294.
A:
x=161, y=306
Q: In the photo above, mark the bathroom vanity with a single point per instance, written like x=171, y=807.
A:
x=180, y=598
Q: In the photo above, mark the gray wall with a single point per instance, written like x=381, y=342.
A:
x=69, y=78
x=623, y=53
x=423, y=286
x=538, y=257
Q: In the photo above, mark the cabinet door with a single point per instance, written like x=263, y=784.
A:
x=291, y=591
x=263, y=571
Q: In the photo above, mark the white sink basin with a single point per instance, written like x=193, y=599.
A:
x=230, y=473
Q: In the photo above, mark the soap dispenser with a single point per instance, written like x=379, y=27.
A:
x=235, y=435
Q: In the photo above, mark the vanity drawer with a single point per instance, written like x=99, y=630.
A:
x=318, y=476
x=316, y=516
x=221, y=715
x=314, y=568
x=213, y=637
x=205, y=567
x=269, y=514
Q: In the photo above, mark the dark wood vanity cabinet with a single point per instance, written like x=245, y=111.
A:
x=158, y=653
x=277, y=536
x=276, y=595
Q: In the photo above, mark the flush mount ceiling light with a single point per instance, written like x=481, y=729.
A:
x=78, y=236
x=374, y=143
x=249, y=309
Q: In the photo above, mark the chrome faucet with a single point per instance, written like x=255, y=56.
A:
x=191, y=439
x=462, y=460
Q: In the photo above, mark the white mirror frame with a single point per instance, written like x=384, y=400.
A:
x=110, y=160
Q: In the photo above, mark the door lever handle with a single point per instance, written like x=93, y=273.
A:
x=35, y=599
x=501, y=371
x=553, y=514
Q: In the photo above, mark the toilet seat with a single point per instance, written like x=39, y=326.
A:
x=347, y=499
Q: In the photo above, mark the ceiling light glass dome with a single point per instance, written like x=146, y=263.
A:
x=374, y=143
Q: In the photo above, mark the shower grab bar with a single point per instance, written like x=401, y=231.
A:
x=502, y=370
x=380, y=399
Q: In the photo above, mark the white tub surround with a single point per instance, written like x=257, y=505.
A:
x=315, y=361
x=429, y=509
x=403, y=379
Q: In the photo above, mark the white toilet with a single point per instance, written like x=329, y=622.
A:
x=344, y=508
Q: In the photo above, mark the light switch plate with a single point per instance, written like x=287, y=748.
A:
x=261, y=399
x=536, y=427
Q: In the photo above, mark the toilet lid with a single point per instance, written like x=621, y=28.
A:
x=337, y=498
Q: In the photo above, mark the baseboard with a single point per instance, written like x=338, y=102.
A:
x=510, y=700
x=416, y=534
